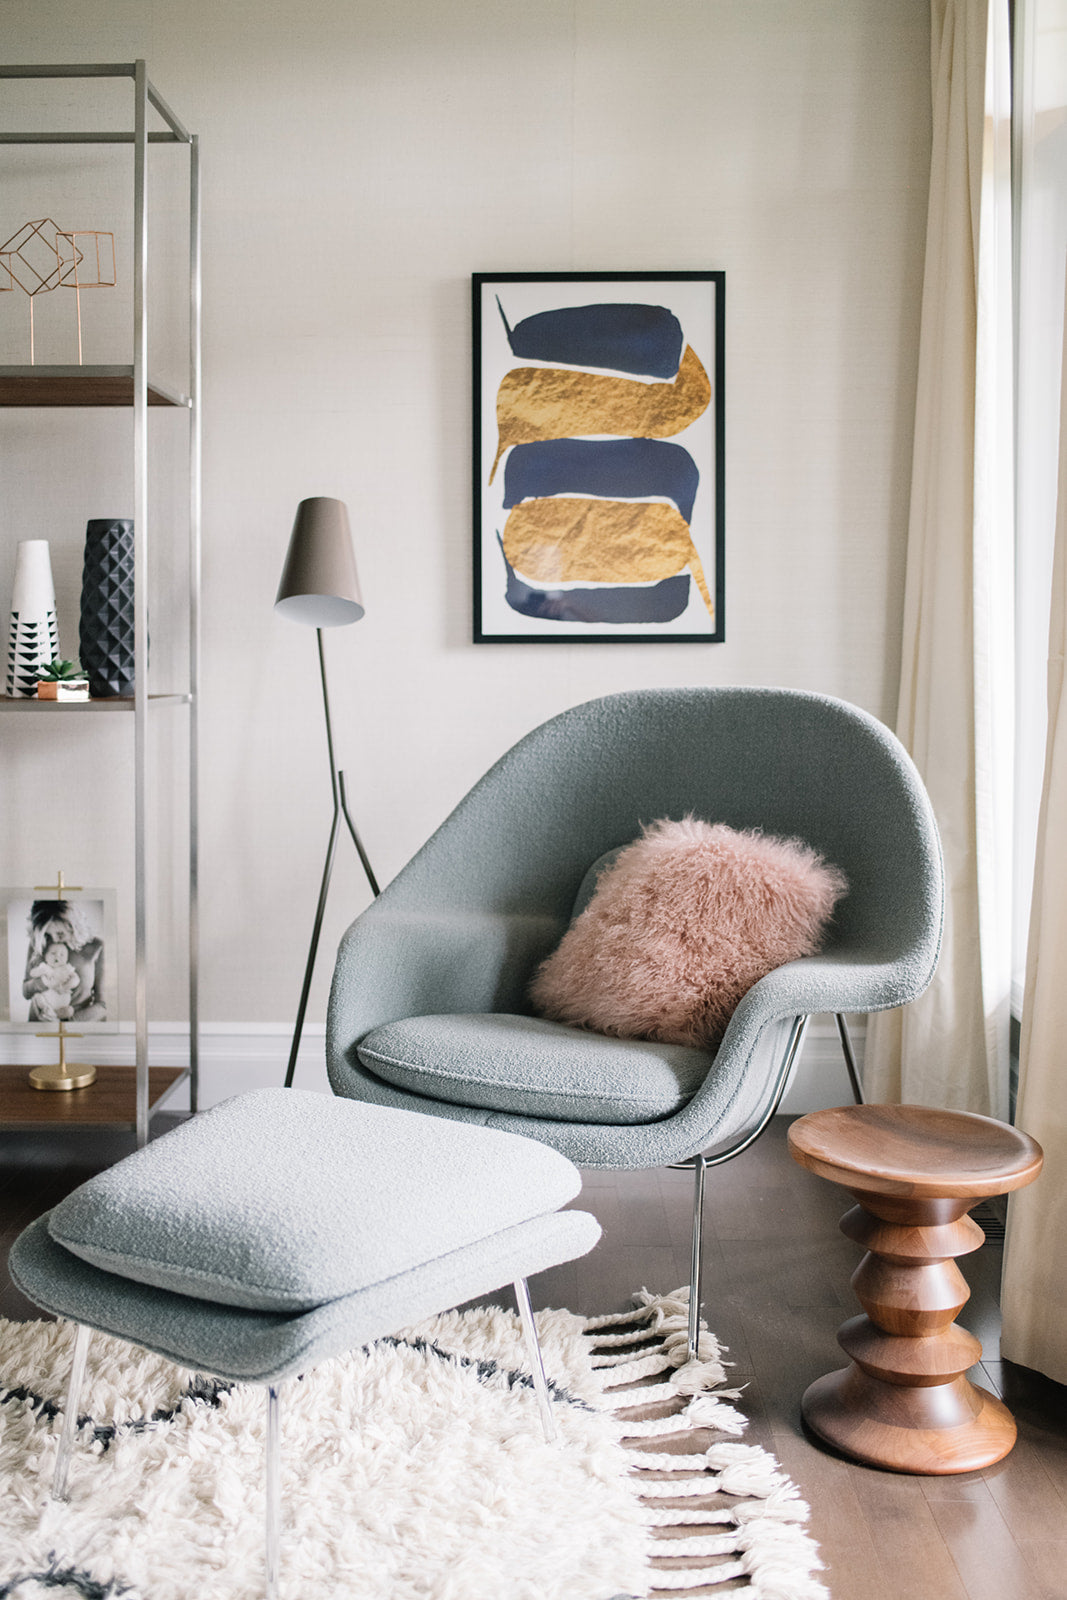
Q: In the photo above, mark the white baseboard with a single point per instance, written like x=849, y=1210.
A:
x=236, y=1056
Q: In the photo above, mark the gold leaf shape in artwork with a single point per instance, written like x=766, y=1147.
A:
x=570, y=540
x=553, y=403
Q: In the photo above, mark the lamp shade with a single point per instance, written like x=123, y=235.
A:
x=319, y=582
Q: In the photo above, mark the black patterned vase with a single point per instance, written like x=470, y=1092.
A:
x=106, y=635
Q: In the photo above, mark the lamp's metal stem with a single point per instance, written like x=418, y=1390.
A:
x=340, y=802
x=329, y=724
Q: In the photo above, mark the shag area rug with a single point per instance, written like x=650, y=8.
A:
x=413, y=1469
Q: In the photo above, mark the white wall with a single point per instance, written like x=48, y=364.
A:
x=360, y=161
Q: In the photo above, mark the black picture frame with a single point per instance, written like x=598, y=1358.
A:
x=598, y=461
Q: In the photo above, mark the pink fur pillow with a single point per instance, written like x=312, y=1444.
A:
x=682, y=923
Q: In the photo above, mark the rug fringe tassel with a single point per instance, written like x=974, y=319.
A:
x=695, y=1577
x=760, y=1538
x=646, y=1307
x=703, y=1411
x=670, y=1489
x=761, y=1586
x=766, y=1536
x=667, y=1318
x=784, y=1505
x=644, y=1394
x=752, y=1479
x=629, y=1366
x=619, y=1341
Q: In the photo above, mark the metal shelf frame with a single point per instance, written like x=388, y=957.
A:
x=145, y=98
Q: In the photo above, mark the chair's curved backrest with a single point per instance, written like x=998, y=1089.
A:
x=462, y=927
x=791, y=763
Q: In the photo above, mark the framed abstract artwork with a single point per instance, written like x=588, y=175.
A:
x=598, y=457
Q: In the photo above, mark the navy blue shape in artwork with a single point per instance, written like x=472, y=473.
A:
x=611, y=469
x=646, y=340
x=627, y=603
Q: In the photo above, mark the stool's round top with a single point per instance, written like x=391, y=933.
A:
x=915, y=1150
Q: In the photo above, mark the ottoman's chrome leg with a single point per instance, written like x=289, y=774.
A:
x=70, y=1414
x=537, y=1366
x=273, y=1490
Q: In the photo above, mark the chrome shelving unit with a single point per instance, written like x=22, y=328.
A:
x=129, y=386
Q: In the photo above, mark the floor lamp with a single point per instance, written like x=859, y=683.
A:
x=320, y=588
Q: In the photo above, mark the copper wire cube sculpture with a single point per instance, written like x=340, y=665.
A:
x=31, y=258
x=40, y=256
x=90, y=267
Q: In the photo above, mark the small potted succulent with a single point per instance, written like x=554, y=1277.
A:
x=62, y=680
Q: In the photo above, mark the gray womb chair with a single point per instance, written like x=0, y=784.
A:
x=429, y=1005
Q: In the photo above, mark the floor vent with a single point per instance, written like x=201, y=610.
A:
x=989, y=1216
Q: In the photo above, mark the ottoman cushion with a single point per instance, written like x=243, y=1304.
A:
x=282, y=1200
x=246, y=1346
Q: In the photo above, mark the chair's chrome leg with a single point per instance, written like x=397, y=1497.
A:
x=70, y=1414
x=273, y=1490
x=537, y=1366
x=850, y=1058
x=699, y=1169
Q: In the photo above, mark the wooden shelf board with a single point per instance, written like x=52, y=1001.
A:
x=110, y=1102
x=74, y=386
x=116, y=702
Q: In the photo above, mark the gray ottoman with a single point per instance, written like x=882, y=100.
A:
x=282, y=1228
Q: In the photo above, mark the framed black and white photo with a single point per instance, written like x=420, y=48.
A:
x=59, y=962
x=598, y=457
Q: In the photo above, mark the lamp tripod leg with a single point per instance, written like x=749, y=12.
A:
x=313, y=951
x=356, y=840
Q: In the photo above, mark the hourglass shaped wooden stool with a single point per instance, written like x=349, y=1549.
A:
x=905, y=1402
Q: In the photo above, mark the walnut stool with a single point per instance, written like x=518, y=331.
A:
x=905, y=1402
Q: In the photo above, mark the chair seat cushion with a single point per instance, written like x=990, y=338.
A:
x=536, y=1068
x=284, y=1200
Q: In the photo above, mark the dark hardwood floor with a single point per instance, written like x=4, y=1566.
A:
x=777, y=1288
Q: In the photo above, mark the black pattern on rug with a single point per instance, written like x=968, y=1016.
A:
x=69, y=1578
x=202, y=1390
x=209, y=1392
x=485, y=1370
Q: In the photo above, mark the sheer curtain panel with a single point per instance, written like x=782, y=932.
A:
x=955, y=713
x=1034, y=1290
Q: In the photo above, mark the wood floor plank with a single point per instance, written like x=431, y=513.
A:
x=986, y=1554
x=912, y=1552
x=1047, y=1560
x=853, y=1570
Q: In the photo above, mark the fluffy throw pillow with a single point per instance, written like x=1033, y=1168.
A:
x=682, y=923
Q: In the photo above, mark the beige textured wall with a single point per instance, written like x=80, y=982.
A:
x=360, y=161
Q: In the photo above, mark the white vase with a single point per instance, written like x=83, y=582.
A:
x=34, y=637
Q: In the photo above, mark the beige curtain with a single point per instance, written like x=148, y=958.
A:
x=1034, y=1291
x=950, y=1048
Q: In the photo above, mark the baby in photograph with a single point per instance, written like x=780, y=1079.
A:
x=54, y=1001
